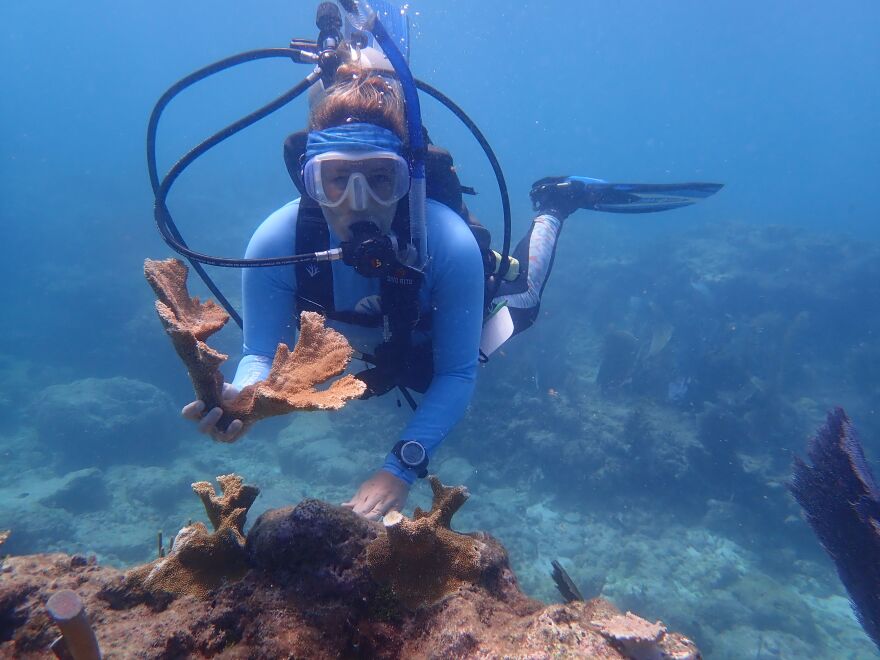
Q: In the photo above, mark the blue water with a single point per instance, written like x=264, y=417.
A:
x=665, y=494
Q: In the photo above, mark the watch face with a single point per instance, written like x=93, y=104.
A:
x=412, y=453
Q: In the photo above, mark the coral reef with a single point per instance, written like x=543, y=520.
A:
x=422, y=559
x=309, y=593
x=200, y=561
x=4, y=534
x=842, y=504
x=320, y=354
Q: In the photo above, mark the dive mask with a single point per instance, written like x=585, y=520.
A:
x=338, y=177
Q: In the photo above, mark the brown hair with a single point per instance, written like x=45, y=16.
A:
x=359, y=96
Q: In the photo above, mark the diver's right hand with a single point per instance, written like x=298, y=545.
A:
x=208, y=422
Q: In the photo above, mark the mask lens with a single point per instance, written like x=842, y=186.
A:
x=336, y=177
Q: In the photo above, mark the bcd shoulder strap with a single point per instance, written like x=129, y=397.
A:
x=314, y=280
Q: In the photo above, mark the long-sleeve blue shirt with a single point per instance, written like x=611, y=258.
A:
x=452, y=292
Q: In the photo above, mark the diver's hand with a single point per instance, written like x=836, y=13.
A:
x=381, y=493
x=208, y=422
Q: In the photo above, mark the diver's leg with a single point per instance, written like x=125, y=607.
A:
x=536, y=253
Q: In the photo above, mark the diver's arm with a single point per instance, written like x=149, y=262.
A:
x=268, y=297
x=457, y=319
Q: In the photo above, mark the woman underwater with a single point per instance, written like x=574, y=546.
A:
x=355, y=170
x=355, y=175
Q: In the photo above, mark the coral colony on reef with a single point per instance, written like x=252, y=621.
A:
x=199, y=561
x=423, y=559
x=317, y=581
x=842, y=504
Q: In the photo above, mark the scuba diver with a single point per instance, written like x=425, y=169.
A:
x=386, y=249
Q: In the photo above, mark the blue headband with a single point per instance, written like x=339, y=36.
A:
x=352, y=137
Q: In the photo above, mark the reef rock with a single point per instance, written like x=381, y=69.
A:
x=81, y=491
x=320, y=354
x=642, y=640
x=104, y=421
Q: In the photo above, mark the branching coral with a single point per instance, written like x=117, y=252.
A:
x=423, y=559
x=320, y=354
x=189, y=323
x=200, y=561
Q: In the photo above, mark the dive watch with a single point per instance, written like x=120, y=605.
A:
x=413, y=456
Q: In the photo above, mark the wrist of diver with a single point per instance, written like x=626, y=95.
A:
x=411, y=469
x=412, y=456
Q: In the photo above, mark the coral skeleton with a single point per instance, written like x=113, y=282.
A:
x=319, y=355
x=200, y=561
x=422, y=559
x=842, y=504
x=77, y=637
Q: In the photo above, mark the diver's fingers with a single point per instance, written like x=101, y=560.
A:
x=231, y=433
x=366, y=506
x=380, y=509
x=353, y=502
x=208, y=423
x=356, y=499
x=193, y=410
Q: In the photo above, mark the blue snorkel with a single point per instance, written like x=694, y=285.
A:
x=363, y=17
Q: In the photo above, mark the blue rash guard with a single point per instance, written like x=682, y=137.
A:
x=452, y=292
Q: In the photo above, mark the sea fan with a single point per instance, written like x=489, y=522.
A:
x=842, y=504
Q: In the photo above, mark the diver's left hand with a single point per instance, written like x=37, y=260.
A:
x=381, y=493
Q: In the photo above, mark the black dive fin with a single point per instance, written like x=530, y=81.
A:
x=646, y=197
x=573, y=192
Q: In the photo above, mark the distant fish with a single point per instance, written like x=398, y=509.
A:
x=660, y=337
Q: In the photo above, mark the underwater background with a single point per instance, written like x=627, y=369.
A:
x=642, y=432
